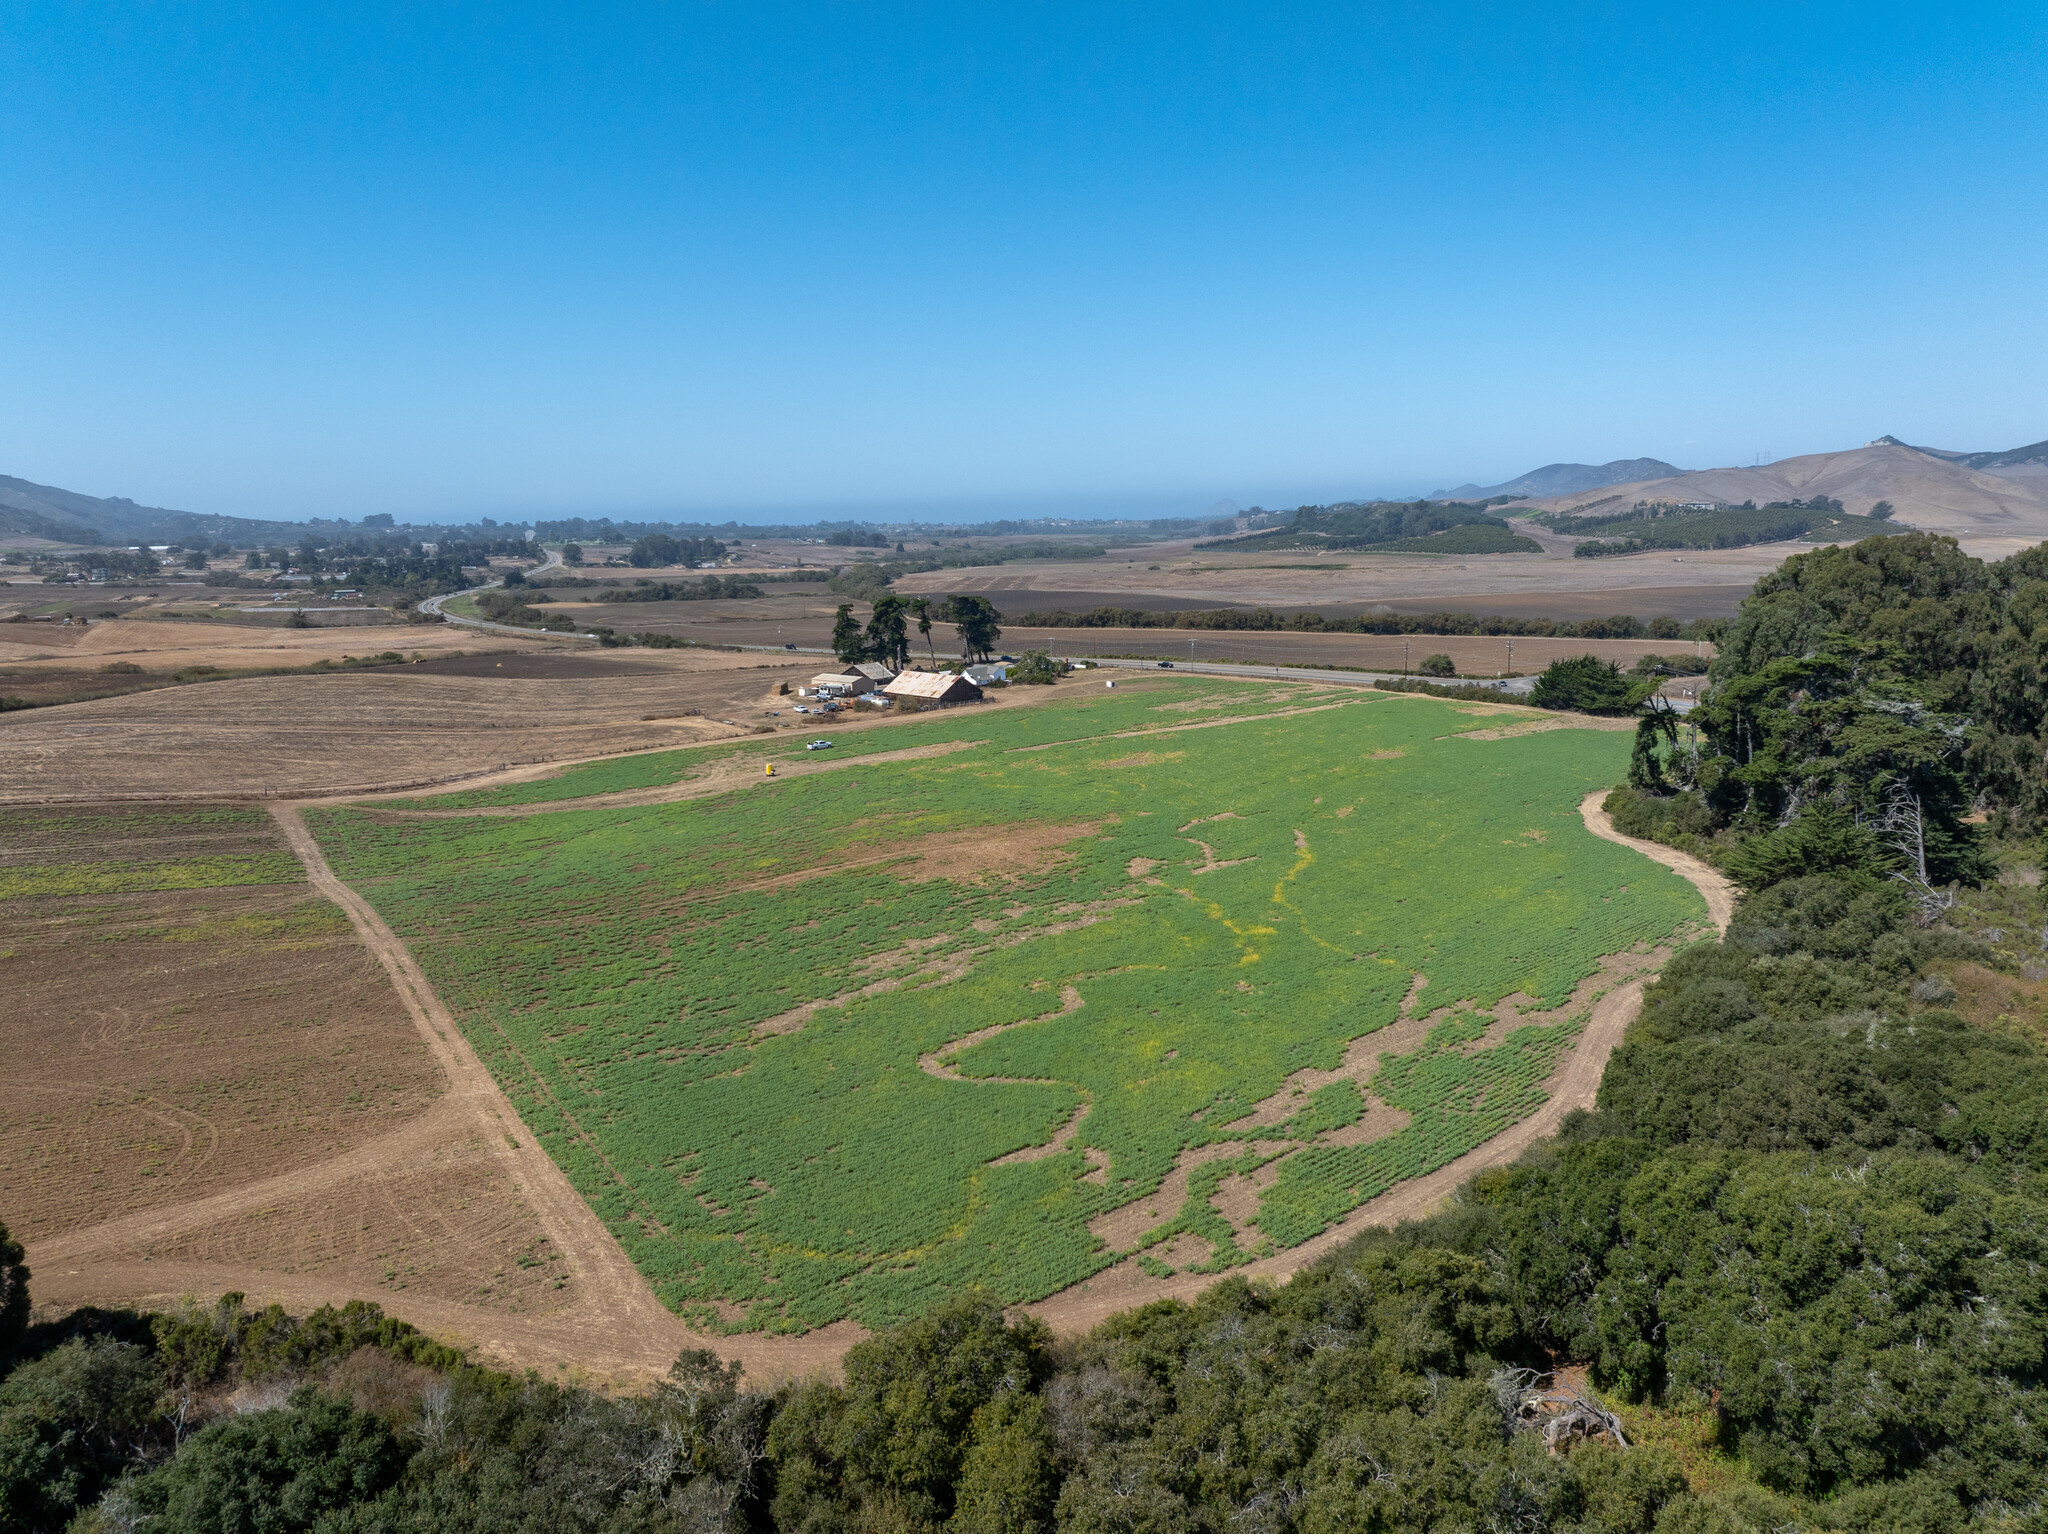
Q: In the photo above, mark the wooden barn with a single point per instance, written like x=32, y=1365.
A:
x=933, y=687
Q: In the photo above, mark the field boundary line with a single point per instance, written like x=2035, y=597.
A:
x=597, y=1262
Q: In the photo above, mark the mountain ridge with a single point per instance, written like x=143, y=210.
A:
x=1566, y=479
x=1927, y=488
x=66, y=516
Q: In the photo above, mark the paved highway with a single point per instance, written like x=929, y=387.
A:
x=433, y=604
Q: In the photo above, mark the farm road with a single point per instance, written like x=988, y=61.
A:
x=619, y=1328
x=1713, y=885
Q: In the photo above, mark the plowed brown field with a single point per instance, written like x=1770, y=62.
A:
x=363, y=731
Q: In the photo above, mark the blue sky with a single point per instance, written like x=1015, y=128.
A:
x=685, y=259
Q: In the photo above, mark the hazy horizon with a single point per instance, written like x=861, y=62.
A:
x=710, y=263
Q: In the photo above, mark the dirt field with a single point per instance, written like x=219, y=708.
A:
x=783, y=620
x=189, y=1068
x=1474, y=656
x=1694, y=583
x=220, y=1088
x=386, y=728
x=162, y=1044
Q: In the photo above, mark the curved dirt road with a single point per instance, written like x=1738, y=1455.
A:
x=1714, y=886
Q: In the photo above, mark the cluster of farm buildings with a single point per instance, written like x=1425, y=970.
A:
x=881, y=685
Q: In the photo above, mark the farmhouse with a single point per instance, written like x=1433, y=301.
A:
x=933, y=687
x=982, y=675
x=838, y=684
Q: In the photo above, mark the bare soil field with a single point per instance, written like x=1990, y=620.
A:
x=785, y=615
x=805, y=623
x=388, y=728
x=167, y=1044
x=1693, y=583
x=1472, y=655
x=219, y=1088
x=170, y=643
x=170, y=1050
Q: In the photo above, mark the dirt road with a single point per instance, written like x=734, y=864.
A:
x=614, y=1326
x=1713, y=885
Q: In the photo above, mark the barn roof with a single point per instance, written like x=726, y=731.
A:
x=927, y=684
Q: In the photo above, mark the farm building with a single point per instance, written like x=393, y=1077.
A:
x=837, y=684
x=933, y=687
x=982, y=675
x=873, y=670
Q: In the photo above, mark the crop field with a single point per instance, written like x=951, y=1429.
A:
x=359, y=731
x=830, y=1045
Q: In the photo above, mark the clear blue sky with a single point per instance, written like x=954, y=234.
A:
x=703, y=259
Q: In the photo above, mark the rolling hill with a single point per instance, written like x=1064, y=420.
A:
x=65, y=516
x=1566, y=479
x=1927, y=488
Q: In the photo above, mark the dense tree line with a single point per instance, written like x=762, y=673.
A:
x=1897, y=686
x=657, y=551
x=1446, y=624
x=868, y=579
x=1359, y=525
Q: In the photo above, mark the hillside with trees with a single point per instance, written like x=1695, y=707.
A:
x=1399, y=527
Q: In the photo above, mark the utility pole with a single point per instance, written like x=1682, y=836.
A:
x=1404, y=657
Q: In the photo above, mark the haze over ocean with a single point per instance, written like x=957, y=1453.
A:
x=785, y=261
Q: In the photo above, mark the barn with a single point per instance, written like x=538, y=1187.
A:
x=933, y=687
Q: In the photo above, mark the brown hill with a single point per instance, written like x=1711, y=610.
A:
x=1927, y=491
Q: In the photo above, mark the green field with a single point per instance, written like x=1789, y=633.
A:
x=637, y=976
x=49, y=853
